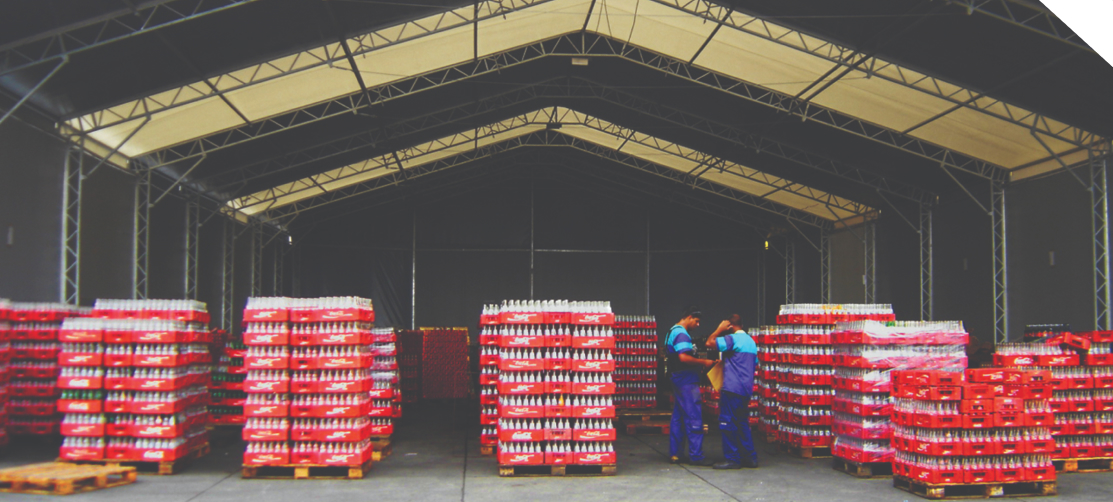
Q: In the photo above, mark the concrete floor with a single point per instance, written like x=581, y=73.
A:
x=442, y=463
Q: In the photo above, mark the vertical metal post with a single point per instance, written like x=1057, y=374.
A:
x=648, y=254
x=790, y=272
x=192, y=245
x=824, y=265
x=142, y=237
x=413, y=274
x=277, y=264
x=761, y=289
x=256, y=259
x=531, y=248
x=1000, y=269
x=1099, y=202
x=71, y=226
x=295, y=273
x=869, y=278
x=228, y=275
x=927, y=265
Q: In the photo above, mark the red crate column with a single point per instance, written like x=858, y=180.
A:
x=5, y=375
x=226, y=394
x=636, y=362
x=33, y=366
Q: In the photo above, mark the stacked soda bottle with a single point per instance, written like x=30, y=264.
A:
x=766, y=377
x=554, y=391
x=33, y=366
x=1081, y=383
x=319, y=381
x=226, y=393
x=987, y=425
x=134, y=381
x=5, y=376
x=636, y=361
x=866, y=352
x=802, y=346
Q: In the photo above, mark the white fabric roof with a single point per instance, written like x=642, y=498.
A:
x=749, y=49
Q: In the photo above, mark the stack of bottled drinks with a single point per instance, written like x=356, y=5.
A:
x=636, y=361
x=226, y=385
x=32, y=343
x=5, y=376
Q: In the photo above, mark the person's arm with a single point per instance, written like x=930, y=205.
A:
x=687, y=358
x=723, y=328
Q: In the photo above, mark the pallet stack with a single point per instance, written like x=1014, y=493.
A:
x=766, y=377
x=983, y=435
x=410, y=349
x=226, y=393
x=866, y=352
x=555, y=387
x=1081, y=385
x=5, y=375
x=34, y=367
x=312, y=393
x=136, y=376
x=386, y=384
x=636, y=362
x=444, y=363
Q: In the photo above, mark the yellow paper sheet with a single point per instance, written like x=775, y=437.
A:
x=715, y=375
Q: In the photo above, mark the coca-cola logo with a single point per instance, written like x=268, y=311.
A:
x=591, y=317
x=592, y=457
x=1024, y=360
x=593, y=434
x=339, y=410
x=264, y=314
x=266, y=409
x=80, y=359
x=339, y=435
x=155, y=359
x=519, y=317
x=520, y=364
x=521, y=340
x=265, y=338
x=82, y=428
x=522, y=388
x=150, y=384
x=154, y=454
x=593, y=388
x=521, y=458
x=151, y=407
x=80, y=382
x=592, y=365
x=338, y=458
x=339, y=385
x=593, y=342
x=78, y=406
x=266, y=361
x=264, y=385
x=515, y=412
x=1060, y=359
x=154, y=430
x=264, y=434
x=153, y=335
x=336, y=363
x=266, y=457
x=521, y=436
x=593, y=412
x=336, y=338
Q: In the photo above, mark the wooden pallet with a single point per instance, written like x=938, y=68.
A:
x=976, y=491
x=508, y=471
x=866, y=470
x=487, y=450
x=62, y=478
x=164, y=468
x=636, y=414
x=807, y=452
x=306, y=471
x=381, y=448
x=1102, y=464
x=644, y=427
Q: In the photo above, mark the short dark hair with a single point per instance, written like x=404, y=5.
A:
x=736, y=320
x=691, y=311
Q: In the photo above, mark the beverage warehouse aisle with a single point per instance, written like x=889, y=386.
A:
x=434, y=461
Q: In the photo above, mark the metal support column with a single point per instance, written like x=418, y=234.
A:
x=927, y=265
x=256, y=260
x=192, y=244
x=761, y=293
x=228, y=273
x=869, y=277
x=824, y=266
x=295, y=272
x=1000, y=269
x=1099, y=201
x=142, y=237
x=790, y=272
x=276, y=270
x=71, y=227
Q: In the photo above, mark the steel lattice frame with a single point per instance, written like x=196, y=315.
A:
x=1027, y=16
x=1000, y=263
x=71, y=226
x=276, y=270
x=761, y=294
x=142, y=237
x=192, y=245
x=869, y=278
x=824, y=265
x=257, y=247
x=228, y=276
x=1099, y=203
x=579, y=44
x=927, y=265
x=790, y=272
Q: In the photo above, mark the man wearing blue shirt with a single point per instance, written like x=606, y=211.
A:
x=739, y=358
x=685, y=371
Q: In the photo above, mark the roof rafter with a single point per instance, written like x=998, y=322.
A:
x=1027, y=16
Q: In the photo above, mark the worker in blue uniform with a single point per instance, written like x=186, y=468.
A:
x=685, y=371
x=738, y=353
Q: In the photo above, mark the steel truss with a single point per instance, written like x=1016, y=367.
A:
x=869, y=278
x=1099, y=203
x=257, y=246
x=142, y=238
x=790, y=271
x=1000, y=263
x=1028, y=16
x=71, y=226
x=228, y=276
x=276, y=270
x=824, y=265
x=192, y=245
x=577, y=44
x=927, y=265
x=539, y=138
x=761, y=293
x=104, y=29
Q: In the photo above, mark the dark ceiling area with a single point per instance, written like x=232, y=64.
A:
x=939, y=38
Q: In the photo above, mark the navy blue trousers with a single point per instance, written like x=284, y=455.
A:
x=687, y=422
x=734, y=421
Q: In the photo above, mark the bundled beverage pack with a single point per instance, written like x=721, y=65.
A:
x=29, y=369
x=637, y=363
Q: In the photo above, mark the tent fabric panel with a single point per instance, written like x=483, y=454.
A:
x=658, y=27
x=1049, y=165
x=526, y=26
x=171, y=127
x=880, y=101
x=296, y=90
x=975, y=134
x=761, y=62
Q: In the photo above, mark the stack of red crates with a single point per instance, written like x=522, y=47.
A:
x=636, y=361
x=555, y=390
x=765, y=381
x=444, y=363
x=988, y=426
x=1081, y=383
x=802, y=361
x=150, y=358
x=312, y=394
x=33, y=366
x=5, y=375
x=226, y=392
x=865, y=354
x=410, y=348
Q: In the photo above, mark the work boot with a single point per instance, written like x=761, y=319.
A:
x=677, y=460
x=728, y=465
x=706, y=462
x=749, y=464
